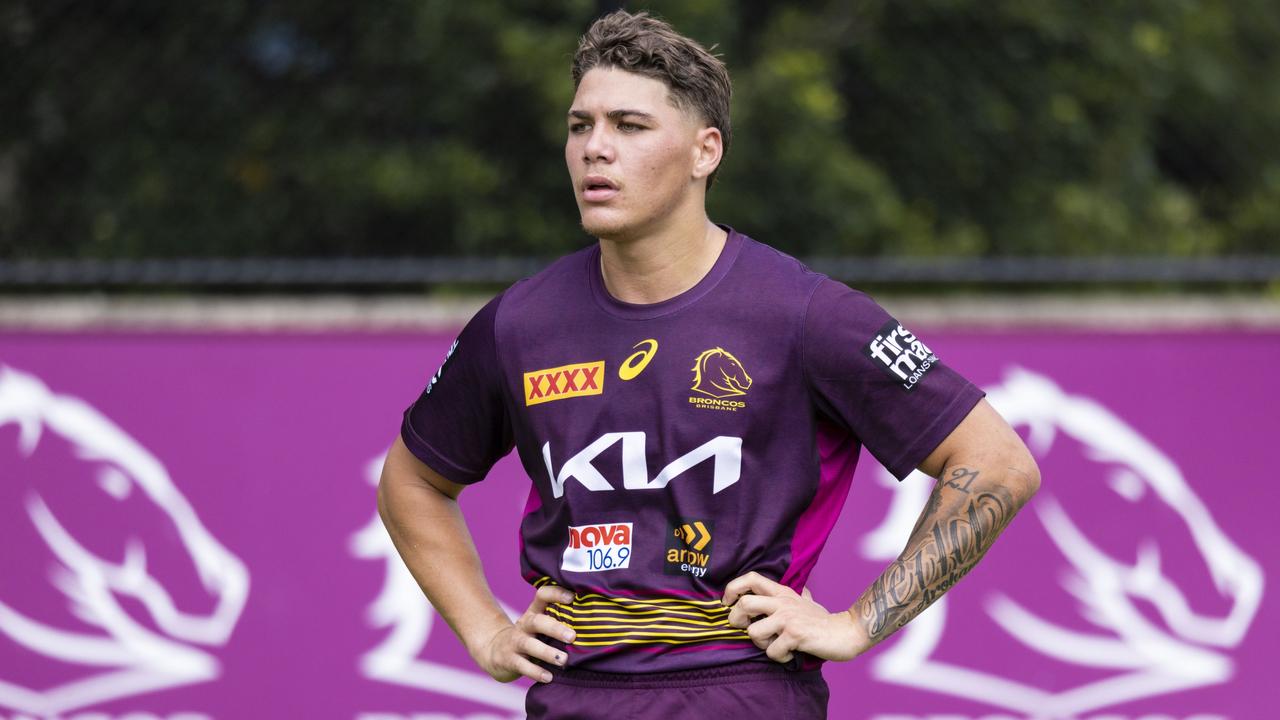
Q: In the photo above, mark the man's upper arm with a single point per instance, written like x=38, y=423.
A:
x=459, y=426
x=871, y=375
x=400, y=463
x=983, y=438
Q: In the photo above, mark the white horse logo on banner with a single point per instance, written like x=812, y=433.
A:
x=402, y=607
x=114, y=623
x=1138, y=655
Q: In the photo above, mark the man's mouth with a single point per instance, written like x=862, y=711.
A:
x=597, y=188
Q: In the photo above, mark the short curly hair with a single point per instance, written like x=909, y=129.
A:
x=647, y=46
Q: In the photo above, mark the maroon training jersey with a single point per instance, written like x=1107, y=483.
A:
x=673, y=447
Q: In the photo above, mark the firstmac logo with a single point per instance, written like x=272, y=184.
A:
x=566, y=381
x=901, y=354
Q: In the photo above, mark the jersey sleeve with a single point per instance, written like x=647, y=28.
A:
x=878, y=380
x=459, y=425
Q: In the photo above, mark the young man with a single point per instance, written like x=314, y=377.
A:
x=689, y=405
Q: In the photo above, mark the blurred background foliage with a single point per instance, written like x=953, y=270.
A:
x=292, y=128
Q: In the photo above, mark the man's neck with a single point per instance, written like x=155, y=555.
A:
x=660, y=266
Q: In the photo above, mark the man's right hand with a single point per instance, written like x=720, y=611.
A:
x=420, y=509
x=506, y=656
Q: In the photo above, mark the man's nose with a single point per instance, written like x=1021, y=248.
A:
x=599, y=147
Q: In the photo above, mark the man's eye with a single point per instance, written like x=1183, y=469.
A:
x=577, y=128
x=629, y=127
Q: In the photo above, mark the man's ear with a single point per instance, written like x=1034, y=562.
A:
x=708, y=150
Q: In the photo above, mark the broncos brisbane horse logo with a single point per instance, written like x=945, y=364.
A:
x=1136, y=590
x=718, y=373
x=113, y=586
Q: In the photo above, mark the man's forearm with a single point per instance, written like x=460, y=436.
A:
x=431, y=536
x=970, y=506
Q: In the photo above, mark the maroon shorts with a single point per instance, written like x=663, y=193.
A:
x=730, y=692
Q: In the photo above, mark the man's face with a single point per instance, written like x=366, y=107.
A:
x=631, y=153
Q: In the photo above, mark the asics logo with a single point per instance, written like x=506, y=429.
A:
x=637, y=361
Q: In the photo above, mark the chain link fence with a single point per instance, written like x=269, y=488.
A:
x=408, y=273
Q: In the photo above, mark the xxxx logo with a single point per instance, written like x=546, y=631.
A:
x=563, y=382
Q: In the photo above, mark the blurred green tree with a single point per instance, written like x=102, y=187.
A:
x=937, y=127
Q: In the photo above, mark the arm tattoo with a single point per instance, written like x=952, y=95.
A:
x=955, y=529
x=962, y=475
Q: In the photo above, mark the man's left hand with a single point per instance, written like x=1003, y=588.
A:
x=782, y=622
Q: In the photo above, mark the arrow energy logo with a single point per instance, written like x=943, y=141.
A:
x=688, y=549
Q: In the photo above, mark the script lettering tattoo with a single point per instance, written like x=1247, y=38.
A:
x=957, y=526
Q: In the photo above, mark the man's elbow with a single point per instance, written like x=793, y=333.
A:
x=390, y=486
x=1024, y=474
x=384, y=498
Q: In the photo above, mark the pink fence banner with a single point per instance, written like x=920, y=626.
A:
x=190, y=532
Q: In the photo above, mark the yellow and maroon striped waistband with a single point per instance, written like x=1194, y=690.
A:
x=601, y=620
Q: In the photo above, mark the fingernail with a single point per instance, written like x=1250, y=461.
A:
x=560, y=658
x=546, y=677
x=568, y=637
